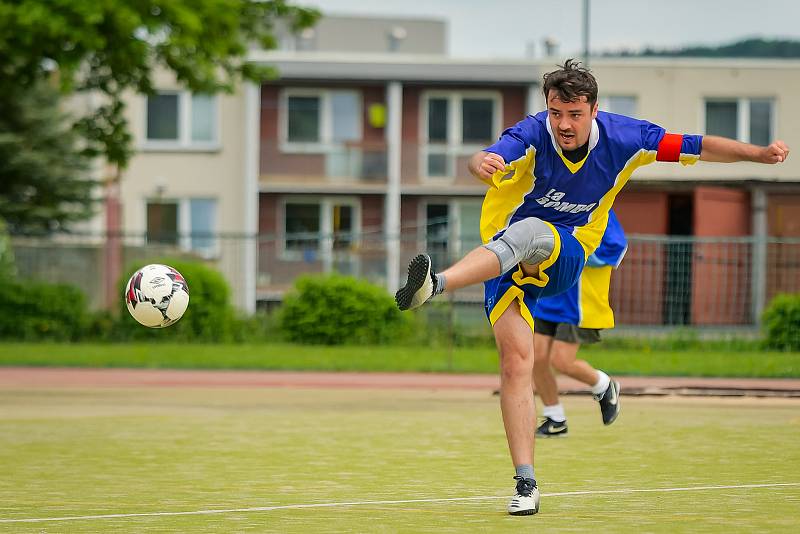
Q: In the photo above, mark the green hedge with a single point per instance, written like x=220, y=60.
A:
x=781, y=321
x=339, y=310
x=39, y=311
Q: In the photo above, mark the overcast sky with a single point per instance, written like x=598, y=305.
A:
x=503, y=28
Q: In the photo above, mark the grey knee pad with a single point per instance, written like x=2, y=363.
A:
x=527, y=241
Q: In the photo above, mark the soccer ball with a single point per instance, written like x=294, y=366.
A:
x=157, y=295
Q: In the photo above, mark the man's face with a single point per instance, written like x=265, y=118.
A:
x=571, y=122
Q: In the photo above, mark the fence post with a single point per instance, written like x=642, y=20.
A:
x=759, y=253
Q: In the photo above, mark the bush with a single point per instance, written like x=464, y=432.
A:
x=34, y=311
x=209, y=317
x=7, y=269
x=781, y=322
x=338, y=310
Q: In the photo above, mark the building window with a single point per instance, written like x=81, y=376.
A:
x=747, y=119
x=303, y=119
x=318, y=120
x=319, y=226
x=190, y=223
x=162, y=223
x=456, y=124
x=619, y=104
x=451, y=229
x=181, y=120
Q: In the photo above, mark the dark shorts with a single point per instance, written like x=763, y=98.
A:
x=568, y=333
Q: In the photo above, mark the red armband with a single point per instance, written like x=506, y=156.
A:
x=669, y=149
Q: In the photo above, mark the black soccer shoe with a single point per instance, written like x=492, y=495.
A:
x=609, y=403
x=420, y=286
x=551, y=429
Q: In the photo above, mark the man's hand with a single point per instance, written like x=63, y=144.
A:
x=777, y=152
x=724, y=150
x=484, y=164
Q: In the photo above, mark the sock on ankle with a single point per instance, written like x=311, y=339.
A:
x=441, y=283
x=525, y=471
x=555, y=412
x=603, y=380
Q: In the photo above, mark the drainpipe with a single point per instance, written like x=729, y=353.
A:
x=394, y=92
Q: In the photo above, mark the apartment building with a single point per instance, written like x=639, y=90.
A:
x=352, y=161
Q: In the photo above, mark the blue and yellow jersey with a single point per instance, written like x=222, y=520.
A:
x=575, y=197
x=586, y=303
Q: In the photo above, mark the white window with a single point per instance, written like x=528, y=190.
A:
x=318, y=120
x=619, y=104
x=450, y=228
x=181, y=120
x=749, y=120
x=456, y=124
x=190, y=223
x=319, y=227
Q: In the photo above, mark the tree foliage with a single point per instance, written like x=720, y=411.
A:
x=112, y=46
x=43, y=184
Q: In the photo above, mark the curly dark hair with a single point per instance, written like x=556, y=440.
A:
x=570, y=82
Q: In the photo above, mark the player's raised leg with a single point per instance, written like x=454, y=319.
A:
x=529, y=241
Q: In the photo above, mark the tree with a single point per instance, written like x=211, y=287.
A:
x=112, y=46
x=43, y=186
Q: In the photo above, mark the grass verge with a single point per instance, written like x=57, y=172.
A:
x=630, y=361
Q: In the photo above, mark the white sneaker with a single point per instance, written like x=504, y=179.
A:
x=526, y=501
x=420, y=286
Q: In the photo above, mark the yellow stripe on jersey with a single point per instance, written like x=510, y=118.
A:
x=689, y=159
x=590, y=234
x=505, y=196
x=594, y=309
x=573, y=167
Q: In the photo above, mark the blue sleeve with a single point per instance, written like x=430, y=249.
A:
x=692, y=144
x=651, y=135
x=613, y=245
x=514, y=141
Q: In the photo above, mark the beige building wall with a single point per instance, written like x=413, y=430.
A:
x=672, y=93
x=215, y=172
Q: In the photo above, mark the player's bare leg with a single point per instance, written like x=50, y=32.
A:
x=515, y=344
x=564, y=358
x=554, y=423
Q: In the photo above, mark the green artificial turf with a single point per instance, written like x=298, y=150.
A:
x=84, y=452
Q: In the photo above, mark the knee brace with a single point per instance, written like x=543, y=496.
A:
x=527, y=241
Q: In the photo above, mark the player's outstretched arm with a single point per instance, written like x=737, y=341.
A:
x=724, y=150
x=483, y=165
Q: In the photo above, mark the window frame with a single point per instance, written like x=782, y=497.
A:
x=604, y=99
x=325, y=144
x=326, y=203
x=742, y=114
x=184, y=223
x=454, y=235
x=454, y=147
x=184, y=142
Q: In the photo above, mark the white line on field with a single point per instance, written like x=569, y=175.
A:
x=367, y=503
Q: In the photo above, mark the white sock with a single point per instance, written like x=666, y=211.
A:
x=555, y=412
x=603, y=381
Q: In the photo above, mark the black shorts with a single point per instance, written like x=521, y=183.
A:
x=568, y=333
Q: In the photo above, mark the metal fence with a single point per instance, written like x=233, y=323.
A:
x=663, y=281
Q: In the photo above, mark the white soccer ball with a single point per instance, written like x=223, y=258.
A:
x=157, y=295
